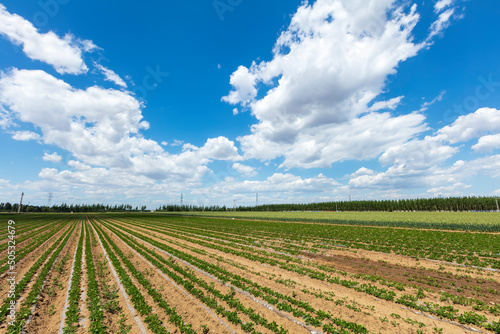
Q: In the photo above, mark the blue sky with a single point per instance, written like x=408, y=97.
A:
x=219, y=100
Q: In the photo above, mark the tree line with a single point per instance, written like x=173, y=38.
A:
x=419, y=204
x=8, y=207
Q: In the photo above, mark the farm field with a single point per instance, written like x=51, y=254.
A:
x=158, y=273
x=475, y=221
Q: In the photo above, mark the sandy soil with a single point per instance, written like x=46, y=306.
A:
x=107, y=280
x=31, y=256
x=382, y=308
x=248, y=302
x=377, y=315
x=47, y=316
x=188, y=308
x=26, y=262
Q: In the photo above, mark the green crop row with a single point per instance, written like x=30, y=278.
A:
x=26, y=249
x=190, y=281
x=282, y=302
x=94, y=303
x=442, y=311
x=174, y=317
x=465, y=221
x=140, y=304
x=22, y=284
x=73, y=312
x=25, y=311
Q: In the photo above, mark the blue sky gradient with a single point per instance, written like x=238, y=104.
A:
x=300, y=102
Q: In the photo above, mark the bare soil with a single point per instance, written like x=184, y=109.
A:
x=257, y=271
x=377, y=315
x=107, y=280
x=47, y=315
x=379, y=309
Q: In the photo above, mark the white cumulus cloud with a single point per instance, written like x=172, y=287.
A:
x=328, y=67
x=25, y=135
x=487, y=143
x=440, y=5
x=64, y=54
x=245, y=170
x=448, y=191
x=442, y=22
x=383, y=105
x=102, y=128
x=276, y=183
x=483, y=121
x=54, y=157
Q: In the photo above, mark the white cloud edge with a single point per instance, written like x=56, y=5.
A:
x=110, y=75
x=54, y=157
x=64, y=54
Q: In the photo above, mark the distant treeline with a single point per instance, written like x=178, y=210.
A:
x=419, y=204
x=190, y=208
x=8, y=207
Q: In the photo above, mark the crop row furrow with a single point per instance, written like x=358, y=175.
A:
x=26, y=307
x=298, y=308
x=190, y=283
x=21, y=285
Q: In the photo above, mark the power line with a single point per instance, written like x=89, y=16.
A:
x=20, y=203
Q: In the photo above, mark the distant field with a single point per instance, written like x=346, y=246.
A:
x=471, y=221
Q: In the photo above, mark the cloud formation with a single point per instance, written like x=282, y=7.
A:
x=100, y=128
x=247, y=171
x=64, y=54
x=54, y=157
x=25, y=135
x=328, y=66
x=111, y=76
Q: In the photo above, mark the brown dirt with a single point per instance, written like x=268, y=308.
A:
x=188, y=308
x=304, y=282
x=47, y=316
x=401, y=274
x=33, y=256
x=27, y=262
x=248, y=302
x=387, y=308
x=107, y=278
x=84, y=321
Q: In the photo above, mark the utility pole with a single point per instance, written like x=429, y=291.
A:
x=20, y=203
x=50, y=199
x=234, y=205
x=257, y=199
x=182, y=199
